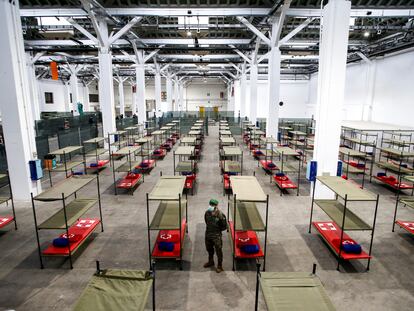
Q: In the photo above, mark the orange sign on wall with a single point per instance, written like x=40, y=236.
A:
x=54, y=70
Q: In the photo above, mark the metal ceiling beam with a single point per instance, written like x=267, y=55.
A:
x=295, y=31
x=75, y=12
x=369, y=13
x=253, y=29
x=146, y=41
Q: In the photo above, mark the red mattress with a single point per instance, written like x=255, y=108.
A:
x=83, y=227
x=129, y=181
x=243, y=237
x=189, y=181
x=406, y=225
x=355, y=164
x=284, y=182
x=5, y=220
x=393, y=182
x=331, y=233
x=100, y=164
x=253, y=146
x=226, y=181
x=265, y=165
x=161, y=154
x=169, y=236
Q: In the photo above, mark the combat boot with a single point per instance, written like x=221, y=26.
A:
x=209, y=263
x=219, y=268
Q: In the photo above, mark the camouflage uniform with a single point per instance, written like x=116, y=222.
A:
x=214, y=225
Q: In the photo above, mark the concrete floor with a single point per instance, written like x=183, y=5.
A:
x=388, y=285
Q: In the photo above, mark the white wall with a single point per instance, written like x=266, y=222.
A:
x=393, y=95
x=294, y=94
x=196, y=95
x=59, y=95
x=394, y=90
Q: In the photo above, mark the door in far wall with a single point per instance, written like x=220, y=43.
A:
x=216, y=112
x=202, y=111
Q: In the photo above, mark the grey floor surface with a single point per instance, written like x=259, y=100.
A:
x=389, y=285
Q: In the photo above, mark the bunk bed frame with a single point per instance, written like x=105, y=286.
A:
x=168, y=219
x=342, y=217
x=246, y=219
x=68, y=218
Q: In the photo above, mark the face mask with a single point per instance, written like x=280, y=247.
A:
x=211, y=208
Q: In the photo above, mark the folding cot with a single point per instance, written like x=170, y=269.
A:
x=114, y=289
x=287, y=291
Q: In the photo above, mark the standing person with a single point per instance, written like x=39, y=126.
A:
x=215, y=224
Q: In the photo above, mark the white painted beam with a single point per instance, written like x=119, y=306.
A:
x=229, y=11
x=124, y=29
x=253, y=29
x=295, y=31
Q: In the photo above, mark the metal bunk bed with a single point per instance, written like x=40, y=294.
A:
x=342, y=217
x=7, y=219
x=283, y=167
x=246, y=220
x=186, y=166
x=168, y=219
x=132, y=179
x=406, y=201
x=95, y=152
x=396, y=162
x=68, y=218
x=68, y=165
x=147, y=164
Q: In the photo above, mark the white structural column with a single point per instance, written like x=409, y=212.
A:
x=181, y=96
x=157, y=87
x=230, y=97
x=75, y=93
x=176, y=95
x=87, y=104
x=104, y=41
x=133, y=101
x=371, y=72
x=106, y=91
x=253, y=91
x=74, y=87
x=121, y=95
x=272, y=121
x=243, y=91
x=33, y=84
x=169, y=92
x=331, y=87
x=140, y=93
x=67, y=96
x=15, y=106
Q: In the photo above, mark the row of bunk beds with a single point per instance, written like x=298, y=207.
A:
x=280, y=162
x=388, y=160
x=187, y=155
x=230, y=156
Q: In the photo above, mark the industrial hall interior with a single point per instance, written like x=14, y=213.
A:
x=194, y=155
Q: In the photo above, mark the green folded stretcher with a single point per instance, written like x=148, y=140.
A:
x=116, y=290
x=287, y=291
